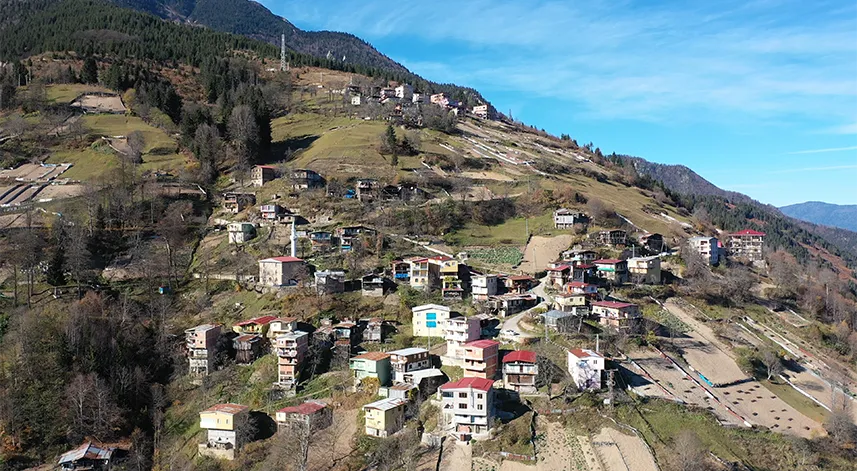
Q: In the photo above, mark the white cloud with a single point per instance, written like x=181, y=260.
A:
x=816, y=169
x=822, y=151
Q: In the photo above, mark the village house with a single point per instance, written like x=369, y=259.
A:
x=747, y=244
x=585, y=368
x=367, y=189
x=403, y=192
x=480, y=111
x=481, y=358
x=404, y=92
x=202, y=348
x=321, y=240
x=408, y=360
x=566, y=218
x=576, y=304
x=237, y=202
x=616, y=314
x=400, y=390
x=312, y=415
x=646, y=270
x=330, y=281
x=347, y=331
x=87, y=457
x=653, y=243
x=282, y=271
x=224, y=424
x=558, y=276
x=468, y=407
x=613, y=237
x=372, y=365
x=707, y=247
x=350, y=236
x=385, y=417
x=388, y=92
x=248, y=348
x=291, y=351
x=453, y=278
x=372, y=286
x=261, y=174
x=425, y=273
x=519, y=284
x=440, y=99
x=459, y=331
x=240, y=232
x=257, y=325
x=484, y=286
x=584, y=272
x=579, y=287
x=304, y=179
x=520, y=371
x=429, y=320
x=375, y=331
x=281, y=326
x=418, y=98
x=508, y=304
x=613, y=270
x=561, y=321
x=401, y=270
x=580, y=256
x=275, y=213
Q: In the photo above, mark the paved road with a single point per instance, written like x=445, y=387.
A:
x=513, y=323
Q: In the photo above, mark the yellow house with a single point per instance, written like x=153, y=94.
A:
x=223, y=423
x=385, y=417
x=429, y=320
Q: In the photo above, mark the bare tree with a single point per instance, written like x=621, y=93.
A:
x=773, y=362
x=173, y=229
x=136, y=145
x=689, y=452
x=840, y=423
x=91, y=409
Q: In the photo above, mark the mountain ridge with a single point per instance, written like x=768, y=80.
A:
x=827, y=214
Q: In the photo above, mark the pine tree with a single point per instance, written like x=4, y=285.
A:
x=56, y=268
x=89, y=72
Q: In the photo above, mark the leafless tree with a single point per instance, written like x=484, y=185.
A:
x=90, y=407
x=689, y=452
x=173, y=229
x=136, y=145
x=772, y=361
x=840, y=422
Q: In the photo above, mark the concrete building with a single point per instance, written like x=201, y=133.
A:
x=237, y=202
x=429, y=320
x=459, y=331
x=646, y=270
x=425, y=272
x=330, y=281
x=224, y=424
x=481, y=358
x=372, y=365
x=261, y=174
x=281, y=326
x=385, y=417
x=468, y=407
x=616, y=314
x=281, y=271
x=613, y=237
x=305, y=179
x=747, y=244
x=558, y=275
x=404, y=92
x=356, y=100
x=202, y=347
x=257, y=325
x=707, y=247
x=520, y=370
x=586, y=368
x=613, y=270
x=248, y=348
x=408, y=360
x=240, y=232
x=291, y=350
x=312, y=415
x=484, y=286
x=566, y=218
x=372, y=285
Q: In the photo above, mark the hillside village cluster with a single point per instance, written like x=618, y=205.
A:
x=405, y=376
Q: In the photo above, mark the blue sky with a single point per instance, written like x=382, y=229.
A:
x=756, y=96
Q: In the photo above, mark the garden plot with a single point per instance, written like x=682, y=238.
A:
x=34, y=172
x=52, y=192
x=99, y=103
x=620, y=452
x=762, y=407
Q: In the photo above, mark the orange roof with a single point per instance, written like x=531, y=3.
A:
x=228, y=408
x=525, y=356
x=466, y=383
x=372, y=356
x=263, y=320
x=482, y=343
x=584, y=353
x=307, y=408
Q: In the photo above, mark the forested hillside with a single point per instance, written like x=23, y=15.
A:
x=834, y=215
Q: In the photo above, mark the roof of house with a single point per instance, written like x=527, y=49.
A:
x=466, y=383
x=747, y=232
x=227, y=408
x=271, y=167
x=612, y=304
x=86, y=451
x=408, y=351
x=559, y=268
x=525, y=356
x=262, y=320
x=307, y=408
x=282, y=259
x=294, y=335
x=521, y=278
x=584, y=353
x=203, y=328
x=584, y=266
x=484, y=343
x=386, y=404
x=247, y=338
x=608, y=261
x=555, y=314
x=418, y=375
x=430, y=306
x=285, y=319
x=578, y=284
x=372, y=356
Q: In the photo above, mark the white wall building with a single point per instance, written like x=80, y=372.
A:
x=585, y=367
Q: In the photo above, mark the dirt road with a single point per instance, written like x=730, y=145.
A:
x=543, y=250
x=620, y=452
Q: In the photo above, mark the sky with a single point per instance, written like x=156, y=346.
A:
x=757, y=96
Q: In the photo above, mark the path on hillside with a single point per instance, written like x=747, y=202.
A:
x=513, y=322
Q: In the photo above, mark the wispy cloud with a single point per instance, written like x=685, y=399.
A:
x=823, y=151
x=814, y=169
x=671, y=61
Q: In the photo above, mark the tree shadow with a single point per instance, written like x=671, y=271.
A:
x=265, y=425
x=285, y=150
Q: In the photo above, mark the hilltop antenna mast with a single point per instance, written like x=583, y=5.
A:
x=284, y=66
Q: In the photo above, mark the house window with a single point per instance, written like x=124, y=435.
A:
x=479, y=407
x=462, y=395
x=462, y=406
x=479, y=396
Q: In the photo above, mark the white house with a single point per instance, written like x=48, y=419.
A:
x=585, y=367
x=459, y=331
x=429, y=320
x=355, y=100
x=405, y=92
x=566, y=218
x=707, y=247
x=484, y=286
x=240, y=232
x=281, y=271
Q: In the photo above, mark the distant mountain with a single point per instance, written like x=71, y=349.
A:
x=253, y=20
x=681, y=179
x=834, y=215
